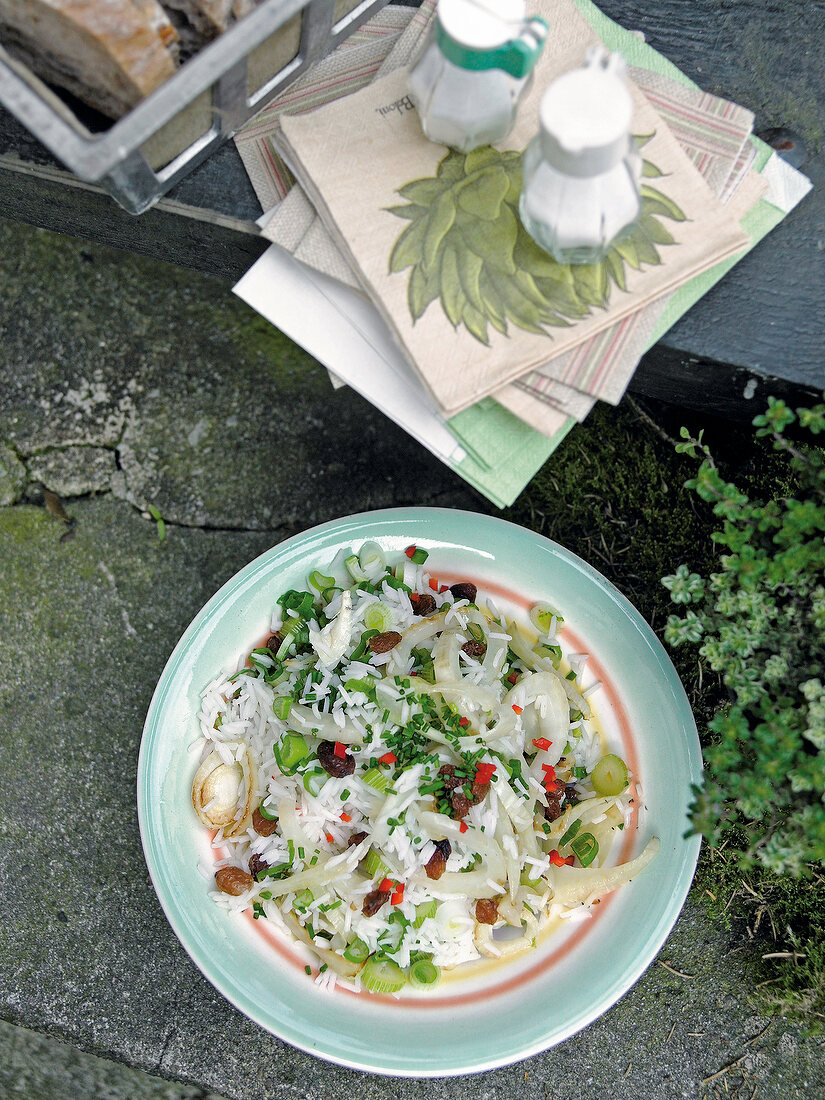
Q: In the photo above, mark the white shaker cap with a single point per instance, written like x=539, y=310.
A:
x=586, y=115
x=481, y=24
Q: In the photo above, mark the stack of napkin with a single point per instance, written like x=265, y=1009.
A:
x=401, y=267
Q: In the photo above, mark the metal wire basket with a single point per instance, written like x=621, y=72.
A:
x=145, y=153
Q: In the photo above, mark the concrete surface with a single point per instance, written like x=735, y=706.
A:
x=123, y=384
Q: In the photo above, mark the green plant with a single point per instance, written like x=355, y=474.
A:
x=465, y=244
x=759, y=623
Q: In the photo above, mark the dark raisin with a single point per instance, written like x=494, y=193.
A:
x=487, y=910
x=480, y=791
x=461, y=805
x=424, y=604
x=273, y=643
x=464, y=590
x=256, y=865
x=233, y=880
x=262, y=825
x=552, y=811
x=382, y=643
x=571, y=794
x=448, y=777
x=356, y=838
x=436, y=865
x=336, y=766
x=474, y=649
x=373, y=902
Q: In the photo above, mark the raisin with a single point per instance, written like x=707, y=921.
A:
x=383, y=643
x=273, y=643
x=571, y=794
x=474, y=648
x=464, y=590
x=233, y=880
x=373, y=902
x=436, y=865
x=480, y=791
x=448, y=777
x=256, y=865
x=552, y=811
x=356, y=838
x=461, y=805
x=262, y=825
x=336, y=766
x=424, y=604
x=487, y=910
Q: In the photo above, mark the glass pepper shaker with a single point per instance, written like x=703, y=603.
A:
x=582, y=172
x=474, y=68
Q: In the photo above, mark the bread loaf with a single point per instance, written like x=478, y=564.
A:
x=109, y=53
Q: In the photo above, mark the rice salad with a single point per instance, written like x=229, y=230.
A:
x=406, y=780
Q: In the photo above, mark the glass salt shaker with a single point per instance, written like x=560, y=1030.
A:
x=474, y=68
x=582, y=172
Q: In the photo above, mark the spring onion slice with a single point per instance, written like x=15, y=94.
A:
x=355, y=569
x=372, y=560
x=424, y=911
x=610, y=775
x=378, y=780
x=291, y=752
x=356, y=951
x=374, y=865
x=320, y=582
x=379, y=617
x=282, y=706
x=382, y=976
x=424, y=972
x=585, y=848
x=314, y=780
x=570, y=832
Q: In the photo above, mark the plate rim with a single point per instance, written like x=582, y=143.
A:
x=341, y=528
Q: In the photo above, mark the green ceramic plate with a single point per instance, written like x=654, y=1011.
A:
x=517, y=1008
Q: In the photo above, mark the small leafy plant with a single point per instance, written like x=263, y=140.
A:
x=759, y=623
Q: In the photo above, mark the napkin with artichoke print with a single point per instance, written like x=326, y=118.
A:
x=435, y=237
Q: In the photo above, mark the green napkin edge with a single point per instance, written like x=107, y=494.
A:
x=503, y=483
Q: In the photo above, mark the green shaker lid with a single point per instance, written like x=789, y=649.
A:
x=490, y=34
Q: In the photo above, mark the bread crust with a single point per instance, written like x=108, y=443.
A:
x=109, y=53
